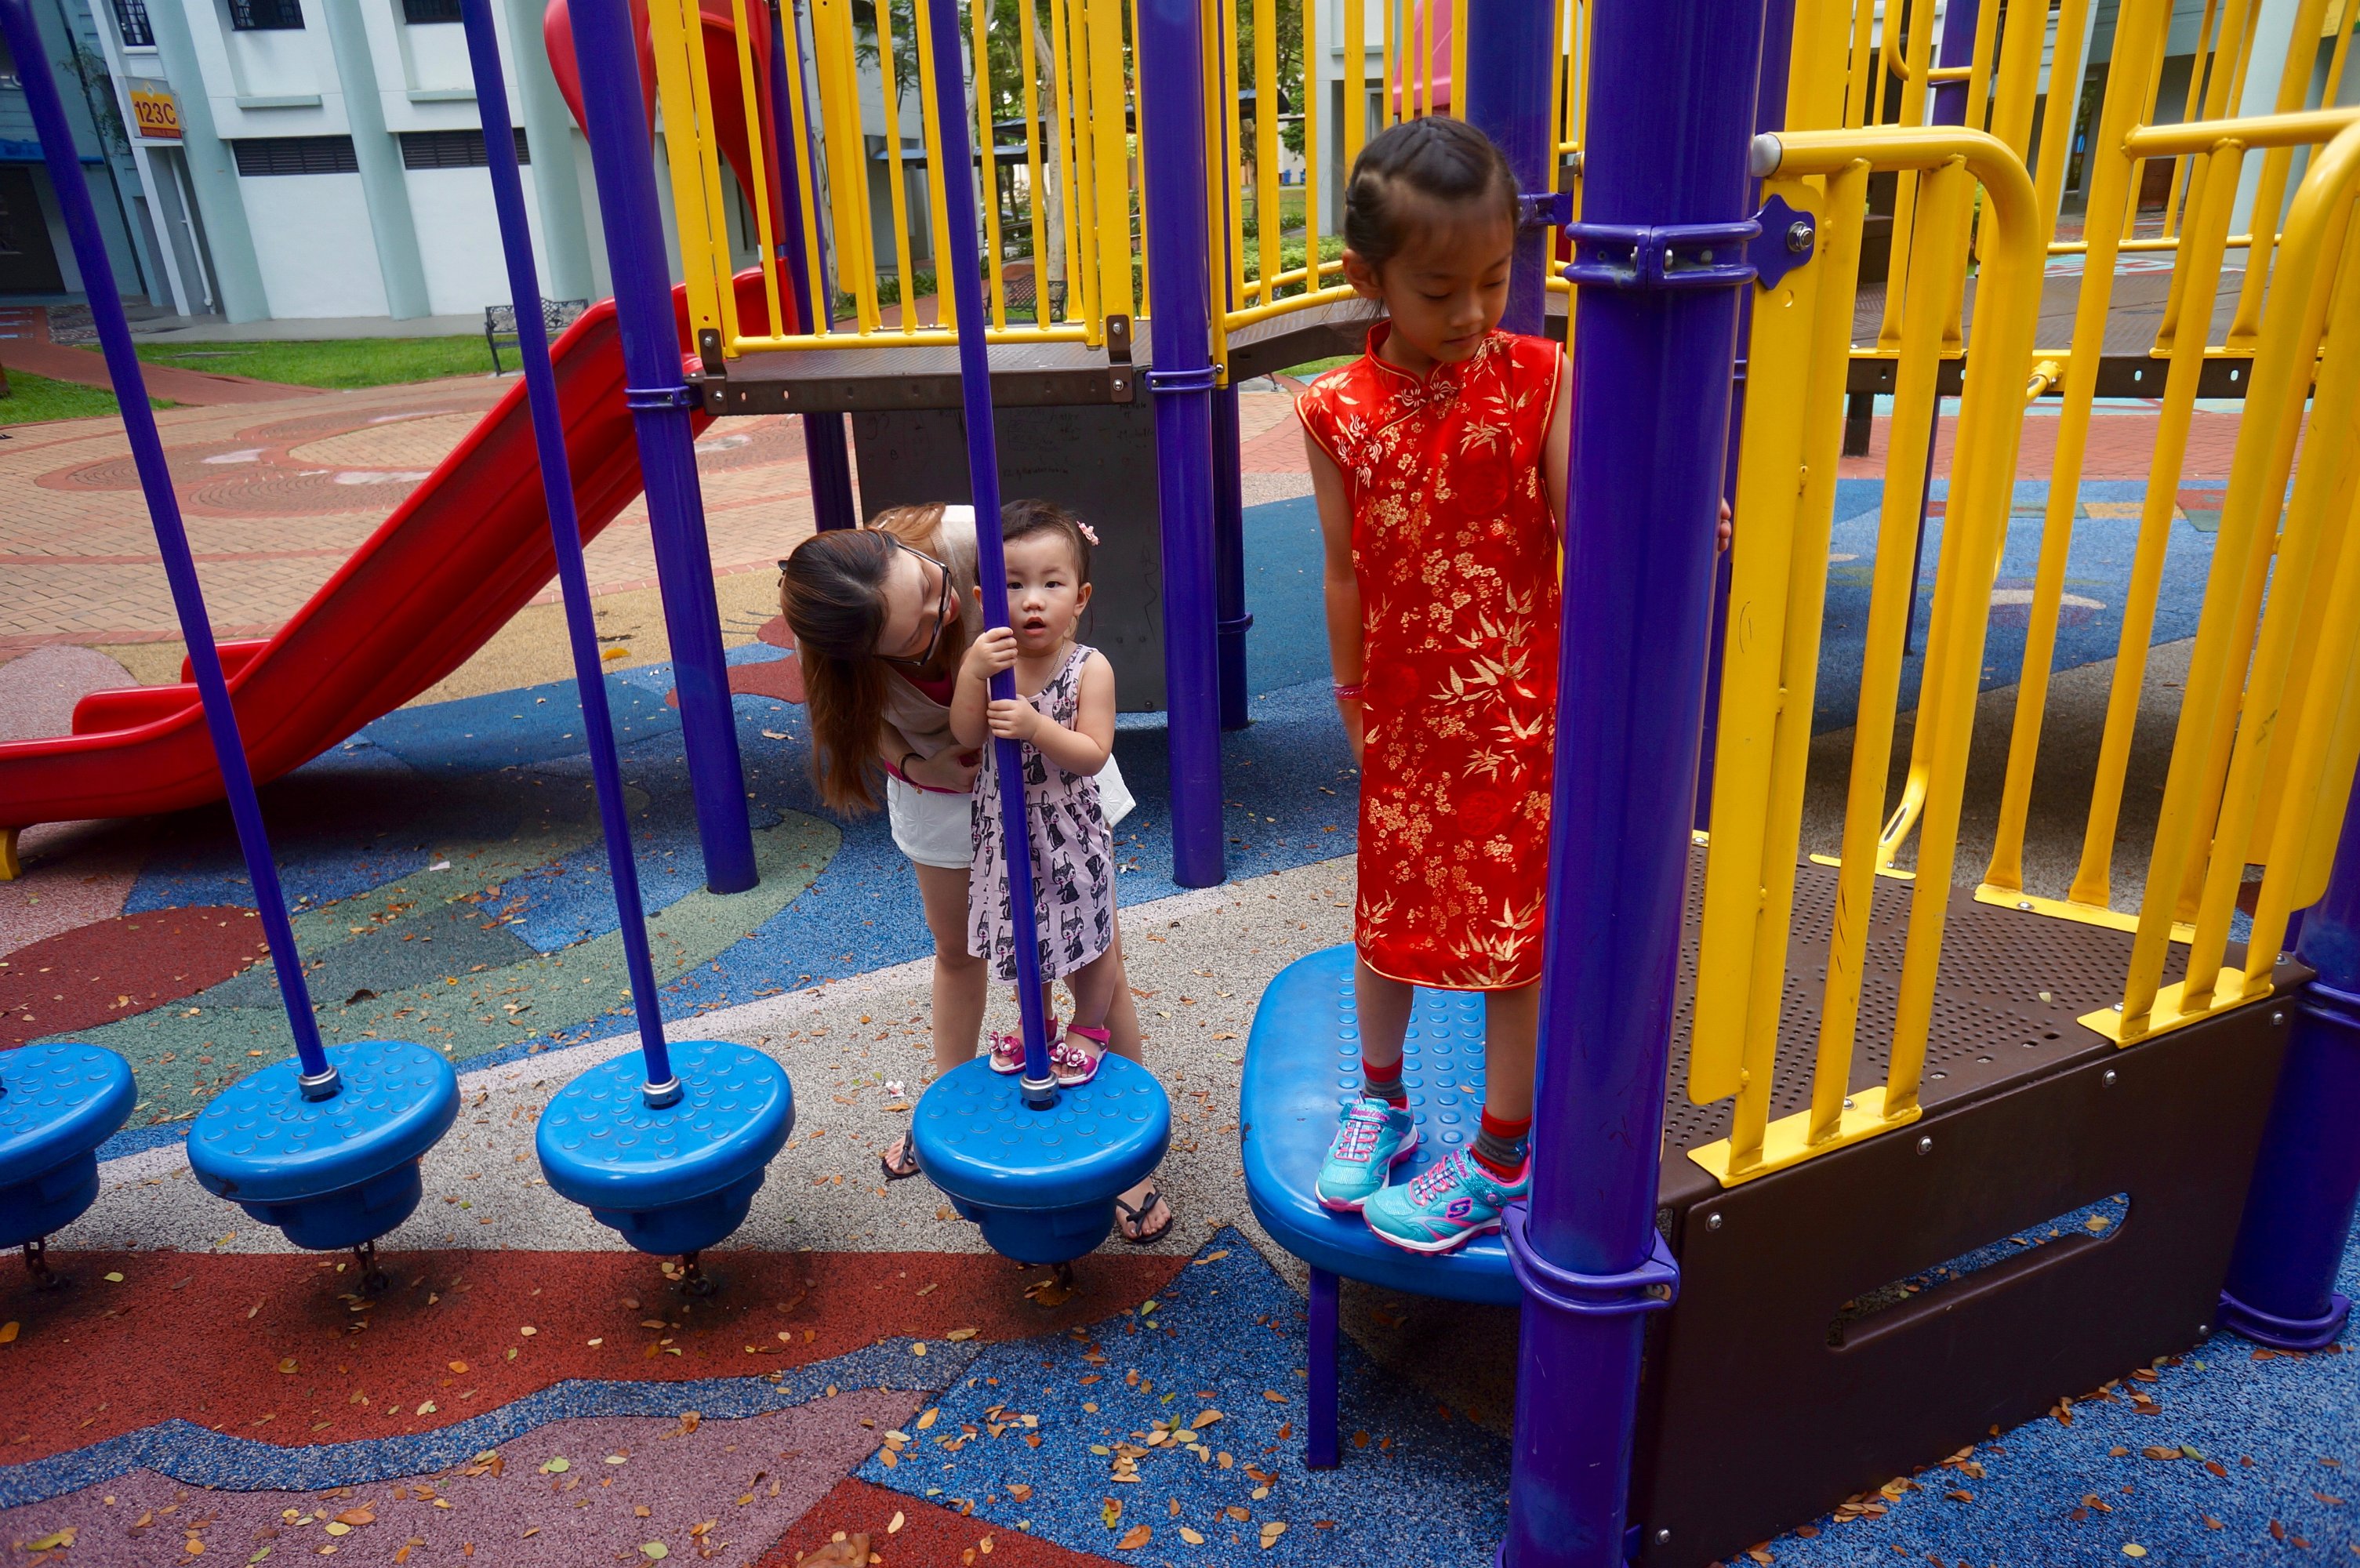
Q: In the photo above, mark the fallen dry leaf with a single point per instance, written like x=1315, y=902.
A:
x=1191, y=1537
x=1271, y=1530
x=1135, y=1537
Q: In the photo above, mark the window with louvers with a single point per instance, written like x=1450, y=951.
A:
x=259, y=156
x=266, y=16
x=419, y=13
x=453, y=149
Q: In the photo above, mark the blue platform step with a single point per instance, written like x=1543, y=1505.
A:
x=1303, y=1067
x=676, y=1178
x=333, y=1172
x=58, y=1104
x=1041, y=1183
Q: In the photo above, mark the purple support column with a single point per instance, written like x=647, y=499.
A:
x=824, y=456
x=1172, y=110
x=2306, y=1187
x=319, y=1078
x=1229, y=558
x=1665, y=204
x=1511, y=70
x=963, y=219
x=1319, y=1396
x=658, y=1086
x=660, y=400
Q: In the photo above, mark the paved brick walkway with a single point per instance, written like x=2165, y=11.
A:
x=25, y=345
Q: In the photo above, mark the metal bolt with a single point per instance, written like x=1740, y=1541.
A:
x=1847, y=1104
x=1712, y=1222
x=2276, y=1018
x=2108, y=1079
x=2118, y=1006
x=1662, y=1535
x=1798, y=237
x=1704, y=255
x=1925, y=1145
x=2202, y=1329
x=2024, y=903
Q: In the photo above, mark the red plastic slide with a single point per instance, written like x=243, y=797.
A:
x=465, y=551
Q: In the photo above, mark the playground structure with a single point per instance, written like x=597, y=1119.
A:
x=1868, y=1052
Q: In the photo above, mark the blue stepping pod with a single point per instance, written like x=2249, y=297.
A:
x=335, y=1172
x=1041, y=1183
x=681, y=1178
x=58, y=1104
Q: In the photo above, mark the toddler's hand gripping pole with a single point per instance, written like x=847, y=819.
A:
x=319, y=1078
x=661, y=1087
x=951, y=116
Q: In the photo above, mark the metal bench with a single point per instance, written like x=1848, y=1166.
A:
x=501, y=324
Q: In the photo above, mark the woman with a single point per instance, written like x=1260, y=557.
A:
x=881, y=617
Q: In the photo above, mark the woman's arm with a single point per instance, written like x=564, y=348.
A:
x=1347, y=646
x=1556, y=447
x=1082, y=748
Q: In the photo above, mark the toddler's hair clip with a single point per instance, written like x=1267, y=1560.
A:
x=1088, y=532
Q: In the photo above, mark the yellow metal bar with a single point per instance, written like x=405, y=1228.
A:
x=1267, y=208
x=1859, y=70
x=1905, y=236
x=2174, y=203
x=1311, y=139
x=938, y=230
x=2015, y=95
x=2147, y=100
x=1135, y=201
x=924, y=337
x=1027, y=29
x=2140, y=28
x=847, y=157
x=2335, y=63
x=676, y=34
x=2216, y=185
x=986, y=145
x=2279, y=646
x=822, y=306
x=2220, y=95
x=1355, y=127
x=2257, y=481
x=1769, y=480
x=1111, y=166
x=1458, y=58
x=2269, y=195
x=905, y=276
x=1071, y=159
x=1248, y=315
x=757, y=158
x=1386, y=114
x=1234, y=196
x=1422, y=62
x=1217, y=188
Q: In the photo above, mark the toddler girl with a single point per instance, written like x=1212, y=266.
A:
x=1438, y=462
x=1064, y=716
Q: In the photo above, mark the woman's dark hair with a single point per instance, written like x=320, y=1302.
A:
x=1447, y=161
x=832, y=592
x=1027, y=518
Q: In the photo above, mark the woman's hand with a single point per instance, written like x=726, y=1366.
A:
x=951, y=769
x=1722, y=536
x=1013, y=718
x=989, y=654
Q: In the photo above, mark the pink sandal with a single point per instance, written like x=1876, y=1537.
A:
x=1008, y=1053
x=1072, y=1065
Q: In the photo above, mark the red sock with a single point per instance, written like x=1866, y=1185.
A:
x=1500, y=1148
x=1384, y=1082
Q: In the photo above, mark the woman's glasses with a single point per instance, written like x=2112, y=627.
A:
x=942, y=610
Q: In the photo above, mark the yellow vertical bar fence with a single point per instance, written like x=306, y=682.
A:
x=1110, y=168
x=2269, y=195
x=1311, y=146
x=1027, y=31
x=692, y=158
x=889, y=66
x=758, y=162
x=1267, y=219
x=988, y=160
x=938, y=233
x=823, y=307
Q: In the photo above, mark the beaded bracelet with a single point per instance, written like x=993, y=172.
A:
x=1348, y=691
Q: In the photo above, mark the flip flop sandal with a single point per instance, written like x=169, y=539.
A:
x=1134, y=1214
x=1072, y=1065
x=909, y=1166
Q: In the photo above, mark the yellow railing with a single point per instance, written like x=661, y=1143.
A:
x=1798, y=351
x=1061, y=212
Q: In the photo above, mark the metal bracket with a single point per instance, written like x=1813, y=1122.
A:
x=1789, y=238
x=1650, y=1287
x=1161, y=382
x=1117, y=340
x=1545, y=209
x=680, y=397
x=1673, y=255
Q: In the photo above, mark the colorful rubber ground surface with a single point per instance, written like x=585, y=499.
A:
x=522, y=1396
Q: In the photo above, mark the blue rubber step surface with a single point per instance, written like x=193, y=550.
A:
x=977, y=1140
x=602, y=1146
x=1303, y=1067
x=58, y=1104
x=260, y=1141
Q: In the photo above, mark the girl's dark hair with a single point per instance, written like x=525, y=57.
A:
x=1027, y=518
x=1444, y=160
x=832, y=592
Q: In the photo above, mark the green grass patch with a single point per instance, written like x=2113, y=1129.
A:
x=32, y=398
x=1310, y=368
x=333, y=362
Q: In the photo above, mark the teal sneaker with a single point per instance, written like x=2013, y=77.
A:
x=1370, y=1139
x=1443, y=1206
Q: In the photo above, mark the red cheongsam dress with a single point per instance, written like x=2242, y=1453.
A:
x=1457, y=557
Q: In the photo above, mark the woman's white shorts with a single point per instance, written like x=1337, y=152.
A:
x=932, y=827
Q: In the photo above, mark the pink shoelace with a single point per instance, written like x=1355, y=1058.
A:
x=1360, y=1133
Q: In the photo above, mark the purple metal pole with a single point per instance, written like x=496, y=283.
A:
x=962, y=218
x=1172, y=116
x=1229, y=558
x=1320, y=1396
x=660, y=401
x=1511, y=67
x=660, y=1086
x=1671, y=114
x=2306, y=1186
x=823, y=454
x=318, y=1077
